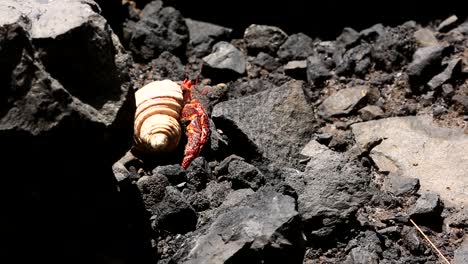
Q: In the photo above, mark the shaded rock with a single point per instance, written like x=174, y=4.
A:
x=199, y=173
x=427, y=205
x=366, y=250
x=159, y=29
x=317, y=71
x=263, y=228
x=244, y=175
x=343, y=102
x=447, y=91
x=298, y=46
x=425, y=37
x=335, y=188
x=453, y=68
x=203, y=36
x=216, y=192
x=417, y=148
x=173, y=214
x=296, y=69
x=401, y=185
x=353, y=61
x=460, y=255
x=152, y=189
x=394, y=49
x=266, y=61
x=447, y=24
x=426, y=62
x=277, y=120
x=461, y=103
x=348, y=38
x=370, y=112
x=225, y=62
x=174, y=173
x=263, y=38
x=372, y=33
x=168, y=66
x=413, y=241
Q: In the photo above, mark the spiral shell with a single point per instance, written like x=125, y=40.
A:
x=159, y=105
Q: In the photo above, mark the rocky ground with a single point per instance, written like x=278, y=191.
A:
x=321, y=150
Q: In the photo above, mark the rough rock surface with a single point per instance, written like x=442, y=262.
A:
x=343, y=101
x=278, y=120
x=262, y=38
x=159, y=29
x=263, y=228
x=225, y=60
x=415, y=147
x=66, y=111
x=204, y=35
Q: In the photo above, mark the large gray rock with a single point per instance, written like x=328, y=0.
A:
x=204, y=35
x=278, y=120
x=460, y=255
x=298, y=46
x=262, y=228
x=225, y=62
x=262, y=38
x=159, y=29
x=66, y=115
x=343, y=102
x=335, y=187
x=416, y=147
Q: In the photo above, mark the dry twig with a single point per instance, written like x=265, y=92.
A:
x=428, y=240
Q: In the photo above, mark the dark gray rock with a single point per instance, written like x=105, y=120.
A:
x=317, y=71
x=173, y=214
x=413, y=241
x=168, y=66
x=224, y=63
x=159, y=29
x=372, y=33
x=66, y=113
x=203, y=36
x=298, y=46
x=394, y=48
x=343, y=102
x=278, y=120
x=266, y=61
x=353, y=61
x=296, y=69
x=401, y=185
x=244, y=175
x=460, y=255
x=366, y=249
x=262, y=228
x=426, y=62
x=199, y=173
x=428, y=204
x=348, y=38
x=451, y=70
x=152, y=190
x=174, y=173
x=447, y=91
x=262, y=38
x=370, y=112
x=461, y=103
x=335, y=188
x=216, y=192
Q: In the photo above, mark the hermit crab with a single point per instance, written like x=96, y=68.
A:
x=162, y=106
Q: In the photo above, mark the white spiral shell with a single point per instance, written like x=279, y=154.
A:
x=159, y=105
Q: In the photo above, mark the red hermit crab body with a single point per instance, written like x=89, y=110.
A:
x=161, y=106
